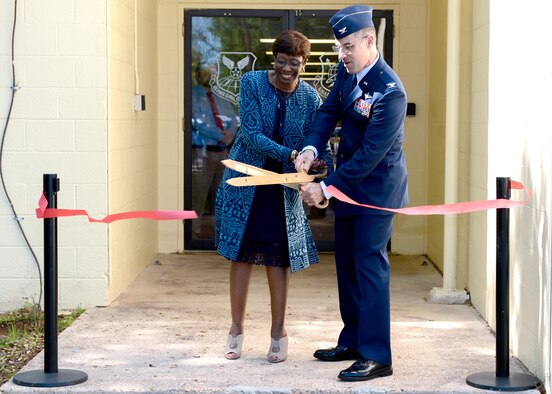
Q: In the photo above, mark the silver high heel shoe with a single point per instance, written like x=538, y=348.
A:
x=233, y=348
x=278, y=350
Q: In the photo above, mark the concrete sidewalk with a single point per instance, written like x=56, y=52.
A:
x=166, y=334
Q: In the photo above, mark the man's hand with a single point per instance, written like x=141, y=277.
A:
x=318, y=165
x=311, y=193
x=304, y=161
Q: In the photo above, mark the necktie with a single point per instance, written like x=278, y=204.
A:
x=218, y=121
x=220, y=146
x=353, y=82
x=351, y=96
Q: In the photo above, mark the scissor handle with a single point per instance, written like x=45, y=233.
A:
x=317, y=175
x=322, y=174
x=323, y=204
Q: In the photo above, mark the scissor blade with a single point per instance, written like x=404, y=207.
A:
x=246, y=168
x=252, y=170
x=277, y=179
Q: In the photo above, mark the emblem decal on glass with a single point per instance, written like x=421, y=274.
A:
x=230, y=68
x=324, y=81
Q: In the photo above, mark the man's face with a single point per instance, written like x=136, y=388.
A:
x=204, y=76
x=354, y=52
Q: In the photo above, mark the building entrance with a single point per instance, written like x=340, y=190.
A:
x=219, y=47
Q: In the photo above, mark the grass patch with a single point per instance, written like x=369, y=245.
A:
x=22, y=336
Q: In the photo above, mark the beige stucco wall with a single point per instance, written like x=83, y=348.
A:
x=411, y=63
x=132, y=145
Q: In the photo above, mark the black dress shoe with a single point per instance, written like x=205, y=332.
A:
x=338, y=353
x=365, y=370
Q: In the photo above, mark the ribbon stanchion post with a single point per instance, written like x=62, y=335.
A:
x=51, y=376
x=502, y=379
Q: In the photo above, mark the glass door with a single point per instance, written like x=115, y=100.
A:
x=320, y=72
x=219, y=47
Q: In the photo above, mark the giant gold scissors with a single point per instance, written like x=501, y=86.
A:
x=260, y=176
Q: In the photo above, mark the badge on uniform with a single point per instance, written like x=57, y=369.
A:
x=363, y=105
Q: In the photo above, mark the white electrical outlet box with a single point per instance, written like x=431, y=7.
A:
x=139, y=102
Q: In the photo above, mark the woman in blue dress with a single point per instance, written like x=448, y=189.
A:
x=266, y=225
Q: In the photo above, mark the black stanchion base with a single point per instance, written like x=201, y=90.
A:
x=39, y=378
x=514, y=382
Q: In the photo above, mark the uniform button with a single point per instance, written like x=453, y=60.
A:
x=341, y=155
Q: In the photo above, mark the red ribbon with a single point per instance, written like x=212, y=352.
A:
x=444, y=209
x=42, y=212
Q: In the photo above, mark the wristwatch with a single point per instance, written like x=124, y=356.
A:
x=293, y=155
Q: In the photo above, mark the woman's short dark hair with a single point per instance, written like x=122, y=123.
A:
x=292, y=43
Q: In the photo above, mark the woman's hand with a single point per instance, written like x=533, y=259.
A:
x=304, y=160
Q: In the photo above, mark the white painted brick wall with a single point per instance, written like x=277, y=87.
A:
x=13, y=262
x=58, y=125
x=50, y=71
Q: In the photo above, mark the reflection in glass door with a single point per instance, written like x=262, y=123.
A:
x=222, y=46
x=219, y=47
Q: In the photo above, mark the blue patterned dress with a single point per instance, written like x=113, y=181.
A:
x=268, y=226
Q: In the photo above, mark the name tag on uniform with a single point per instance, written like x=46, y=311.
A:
x=363, y=105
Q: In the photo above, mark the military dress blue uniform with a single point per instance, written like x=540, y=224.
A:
x=371, y=169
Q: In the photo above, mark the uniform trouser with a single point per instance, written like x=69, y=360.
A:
x=363, y=274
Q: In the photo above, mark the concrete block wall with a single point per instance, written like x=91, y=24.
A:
x=133, y=159
x=411, y=63
x=436, y=118
x=481, y=247
x=58, y=125
x=171, y=111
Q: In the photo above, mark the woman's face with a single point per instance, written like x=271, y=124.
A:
x=287, y=69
